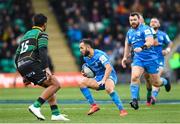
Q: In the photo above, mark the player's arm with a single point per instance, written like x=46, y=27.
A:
x=149, y=41
x=17, y=56
x=43, y=52
x=169, y=47
x=126, y=53
x=149, y=38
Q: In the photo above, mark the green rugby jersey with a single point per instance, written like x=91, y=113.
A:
x=31, y=42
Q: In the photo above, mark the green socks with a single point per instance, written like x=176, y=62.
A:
x=38, y=103
x=55, y=110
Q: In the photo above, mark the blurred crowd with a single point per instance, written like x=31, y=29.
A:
x=15, y=19
x=106, y=22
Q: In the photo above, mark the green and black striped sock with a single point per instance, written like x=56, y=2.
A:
x=38, y=103
x=55, y=110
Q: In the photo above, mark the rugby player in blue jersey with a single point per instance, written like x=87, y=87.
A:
x=162, y=40
x=105, y=76
x=140, y=38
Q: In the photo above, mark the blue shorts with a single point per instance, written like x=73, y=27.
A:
x=100, y=77
x=161, y=62
x=150, y=67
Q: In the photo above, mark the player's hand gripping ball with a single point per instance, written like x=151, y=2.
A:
x=87, y=71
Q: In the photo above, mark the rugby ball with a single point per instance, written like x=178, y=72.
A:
x=88, y=71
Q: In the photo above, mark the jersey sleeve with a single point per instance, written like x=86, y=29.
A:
x=42, y=46
x=104, y=60
x=166, y=39
x=42, y=40
x=17, y=56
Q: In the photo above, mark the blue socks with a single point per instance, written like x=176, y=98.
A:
x=87, y=94
x=155, y=93
x=115, y=97
x=164, y=81
x=116, y=100
x=134, y=90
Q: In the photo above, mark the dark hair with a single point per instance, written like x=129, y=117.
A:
x=135, y=14
x=39, y=19
x=88, y=42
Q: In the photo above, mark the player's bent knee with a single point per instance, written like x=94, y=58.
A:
x=156, y=84
x=135, y=79
x=55, y=82
x=82, y=83
x=57, y=85
x=109, y=90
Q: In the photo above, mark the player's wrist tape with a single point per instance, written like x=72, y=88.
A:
x=144, y=47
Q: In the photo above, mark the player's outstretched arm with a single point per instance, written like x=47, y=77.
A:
x=126, y=53
x=149, y=42
x=168, y=49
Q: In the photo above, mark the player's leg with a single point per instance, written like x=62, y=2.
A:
x=156, y=80
x=136, y=73
x=32, y=72
x=149, y=88
x=155, y=90
x=51, y=86
x=109, y=87
x=56, y=115
x=53, y=105
x=84, y=85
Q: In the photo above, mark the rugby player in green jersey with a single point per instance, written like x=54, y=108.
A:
x=32, y=63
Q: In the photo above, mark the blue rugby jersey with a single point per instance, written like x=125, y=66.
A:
x=136, y=38
x=163, y=40
x=98, y=61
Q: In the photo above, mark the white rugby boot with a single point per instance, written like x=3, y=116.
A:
x=36, y=112
x=59, y=118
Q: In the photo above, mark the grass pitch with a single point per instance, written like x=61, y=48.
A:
x=14, y=104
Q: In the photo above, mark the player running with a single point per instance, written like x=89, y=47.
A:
x=140, y=37
x=105, y=76
x=32, y=63
x=163, y=40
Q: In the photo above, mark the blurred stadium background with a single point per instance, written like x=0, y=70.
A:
x=105, y=21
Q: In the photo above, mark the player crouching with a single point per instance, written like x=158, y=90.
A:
x=105, y=78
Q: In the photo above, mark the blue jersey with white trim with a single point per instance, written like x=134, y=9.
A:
x=98, y=61
x=163, y=40
x=136, y=38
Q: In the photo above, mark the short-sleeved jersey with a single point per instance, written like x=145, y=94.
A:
x=98, y=61
x=136, y=38
x=31, y=42
x=163, y=40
